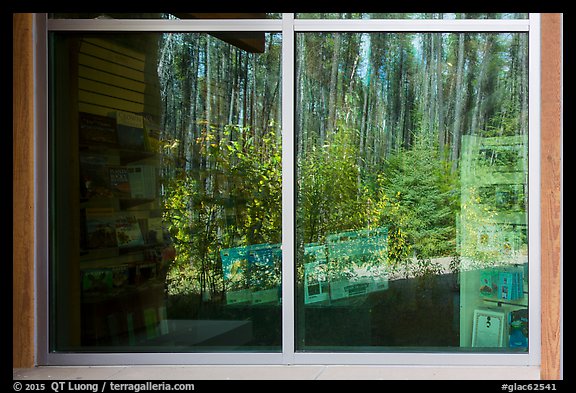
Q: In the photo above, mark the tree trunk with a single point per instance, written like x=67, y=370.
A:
x=193, y=151
x=245, y=91
x=523, y=60
x=478, y=102
x=440, y=92
x=334, y=82
x=429, y=80
x=458, y=105
x=300, y=84
x=208, y=80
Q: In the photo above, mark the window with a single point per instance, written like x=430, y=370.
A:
x=412, y=156
x=292, y=190
x=178, y=167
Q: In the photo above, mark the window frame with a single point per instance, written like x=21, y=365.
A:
x=288, y=26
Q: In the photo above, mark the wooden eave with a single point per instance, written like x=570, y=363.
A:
x=250, y=41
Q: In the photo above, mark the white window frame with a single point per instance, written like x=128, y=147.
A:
x=288, y=26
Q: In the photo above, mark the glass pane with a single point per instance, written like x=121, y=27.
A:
x=166, y=192
x=412, y=192
x=177, y=15
x=441, y=15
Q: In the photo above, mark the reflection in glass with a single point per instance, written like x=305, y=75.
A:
x=173, y=196
x=411, y=208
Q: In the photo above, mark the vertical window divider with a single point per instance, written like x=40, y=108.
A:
x=288, y=190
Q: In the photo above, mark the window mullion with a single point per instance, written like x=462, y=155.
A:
x=288, y=187
x=534, y=223
x=160, y=25
x=411, y=25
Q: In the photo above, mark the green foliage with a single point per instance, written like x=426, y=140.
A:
x=380, y=167
x=178, y=203
x=235, y=200
x=330, y=196
x=193, y=225
x=425, y=268
x=415, y=196
x=424, y=196
x=392, y=215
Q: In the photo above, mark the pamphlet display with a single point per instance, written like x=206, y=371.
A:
x=504, y=283
x=121, y=225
